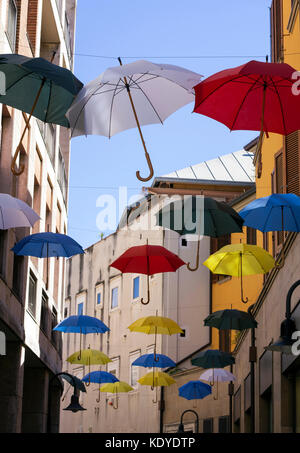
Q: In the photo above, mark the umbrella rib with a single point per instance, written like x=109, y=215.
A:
x=49, y=99
x=242, y=103
x=17, y=81
x=296, y=221
x=150, y=103
x=281, y=107
x=267, y=219
x=111, y=106
x=83, y=107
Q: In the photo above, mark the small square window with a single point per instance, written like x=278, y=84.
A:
x=136, y=287
x=184, y=243
x=114, y=297
x=183, y=334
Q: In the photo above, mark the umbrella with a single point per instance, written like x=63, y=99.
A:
x=40, y=88
x=213, y=358
x=277, y=212
x=116, y=387
x=83, y=325
x=157, y=379
x=258, y=96
x=45, y=245
x=100, y=377
x=200, y=215
x=230, y=320
x=129, y=96
x=149, y=361
x=240, y=259
x=149, y=260
x=217, y=375
x=89, y=357
x=15, y=213
x=155, y=325
x=194, y=390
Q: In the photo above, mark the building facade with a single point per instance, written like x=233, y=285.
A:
x=96, y=289
x=29, y=309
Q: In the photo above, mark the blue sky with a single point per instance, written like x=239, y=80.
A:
x=202, y=36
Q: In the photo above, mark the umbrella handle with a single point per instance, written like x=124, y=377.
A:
x=217, y=397
x=193, y=269
x=148, y=292
x=280, y=263
x=138, y=175
x=156, y=399
x=242, y=295
x=117, y=403
x=98, y=399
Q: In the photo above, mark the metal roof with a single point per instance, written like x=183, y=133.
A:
x=233, y=167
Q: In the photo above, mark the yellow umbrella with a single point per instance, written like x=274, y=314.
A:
x=154, y=325
x=240, y=259
x=116, y=387
x=89, y=357
x=157, y=379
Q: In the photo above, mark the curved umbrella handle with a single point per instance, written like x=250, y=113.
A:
x=138, y=175
x=117, y=403
x=217, y=397
x=148, y=292
x=242, y=295
x=98, y=399
x=13, y=163
x=156, y=399
x=193, y=269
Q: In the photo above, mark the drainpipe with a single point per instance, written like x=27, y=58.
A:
x=252, y=360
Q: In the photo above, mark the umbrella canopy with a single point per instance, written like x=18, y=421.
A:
x=149, y=361
x=100, y=377
x=244, y=90
x=116, y=387
x=25, y=77
x=200, y=215
x=213, y=358
x=45, y=245
x=81, y=324
x=148, y=259
x=102, y=107
x=157, y=379
x=155, y=324
x=89, y=357
x=15, y=213
x=230, y=320
x=132, y=95
x=194, y=390
x=78, y=382
x=239, y=260
x=217, y=374
x=277, y=212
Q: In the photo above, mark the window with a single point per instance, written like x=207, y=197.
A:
x=12, y=24
x=224, y=424
x=17, y=274
x=224, y=340
x=251, y=236
x=276, y=31
x=134, y=370
x=215, y=245
x=44, y=313
x=136, y=287
x=114, y=297
x=98, y=298
x=80, y=309
x=184, y=243
x=113, y=367
x=32, y=294
x=56, y=337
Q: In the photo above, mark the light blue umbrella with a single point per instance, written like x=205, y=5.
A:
x=148, y=361
x=194, y=390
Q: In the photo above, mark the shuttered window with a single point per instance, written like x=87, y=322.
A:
x=251, y=236
x=215, y=245
x=292, y=163
x=224, y=341
x=276, y=30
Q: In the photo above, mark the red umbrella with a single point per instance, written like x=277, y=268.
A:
x=256, y=96
x=148, y=260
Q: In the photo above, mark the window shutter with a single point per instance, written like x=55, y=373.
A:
x=276, y=30
x=292, y=162
x=279, y=173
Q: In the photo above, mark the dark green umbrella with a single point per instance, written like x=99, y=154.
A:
x=230, y=320
x=71, y=379
x=38, y=87
x=213, y=358
x=200, y=215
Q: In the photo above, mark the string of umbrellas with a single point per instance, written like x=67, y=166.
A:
x=258, y=96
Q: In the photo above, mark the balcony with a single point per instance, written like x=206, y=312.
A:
x=62, y=176
x=47, y=131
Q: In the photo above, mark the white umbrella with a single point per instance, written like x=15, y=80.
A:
x=15, y=213
x=216, y=375
x=128, y=96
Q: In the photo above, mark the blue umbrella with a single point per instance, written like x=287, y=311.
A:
x=45, y=245
x=148, y=361
x=194, y=390
x=99, y=377
x=277, y=212
x=81, y=324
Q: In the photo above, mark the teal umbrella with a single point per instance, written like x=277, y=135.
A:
x=38, y=87
x=199, y=215
x=213, y=358
x=230, y=320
